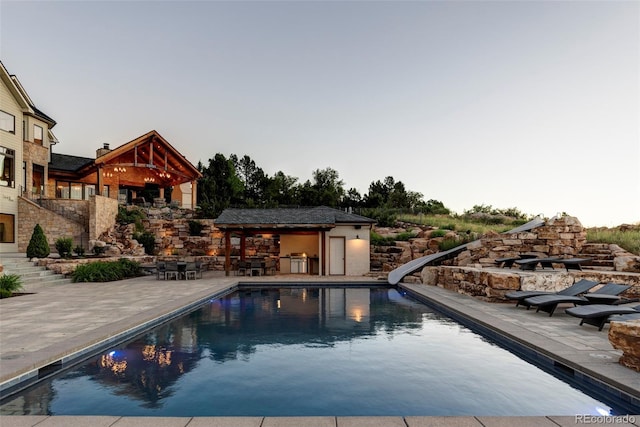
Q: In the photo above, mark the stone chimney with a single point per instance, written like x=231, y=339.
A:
x=102, y=151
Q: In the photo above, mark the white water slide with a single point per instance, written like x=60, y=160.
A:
x=396, y=275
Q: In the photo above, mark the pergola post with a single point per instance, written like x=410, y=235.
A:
x=243, y=246
x=227, y=253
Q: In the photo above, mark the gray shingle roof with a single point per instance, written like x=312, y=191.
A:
x=320, y=215
x=65, y=162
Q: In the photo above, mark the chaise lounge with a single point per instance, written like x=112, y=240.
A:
x=549, y=303
x=530, y=264
x=599, y=314
x=577, y=288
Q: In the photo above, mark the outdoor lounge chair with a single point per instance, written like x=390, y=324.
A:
x=599, y=314
x=574, y=263
x=577, y=288
x=531, y=263
x=549, y=303
x=507, y=262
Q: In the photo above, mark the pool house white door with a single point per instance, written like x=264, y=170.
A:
x=336, y=256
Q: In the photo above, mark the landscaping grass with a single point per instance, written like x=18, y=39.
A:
x=628, y=239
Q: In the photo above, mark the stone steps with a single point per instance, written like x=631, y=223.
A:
x=33, y=276
x=601, y=256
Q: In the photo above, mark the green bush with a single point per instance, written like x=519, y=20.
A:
x=79, y=250
x=148, y=240
x=195, y=228
x=129, y=215
x=99, y=250
x=403, y=237
x=384, y=217
x=63, y=246
x=450, y=243
x=38, y=246
x=377, y=240
x=441, y=232
x=106, y=271
x=9, y=284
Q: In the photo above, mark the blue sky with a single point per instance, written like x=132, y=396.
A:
x=526, y=104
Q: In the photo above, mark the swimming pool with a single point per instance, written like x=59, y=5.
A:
x=306, y=351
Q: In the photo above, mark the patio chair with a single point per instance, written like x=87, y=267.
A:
x=190, y=271
x=199, y=269
x=161, y=270
x=599, y=314
x=577, y=288
x=172, y=270
x=256, y=267
x=549, y=303
x=242, y=268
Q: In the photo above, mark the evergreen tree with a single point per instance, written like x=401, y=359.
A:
x=38, y=245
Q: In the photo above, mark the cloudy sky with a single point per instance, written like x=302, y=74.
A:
x=526, y=104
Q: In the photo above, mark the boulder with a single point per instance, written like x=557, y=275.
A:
x=625, y=336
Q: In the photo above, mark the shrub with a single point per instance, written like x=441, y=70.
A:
x=384, y=217
x=377, y=240
x=146, y=239
x=38, y=246
x=195, y=228
x=9, y=284
x=106, y=271
x=404, y=236
x=449, y=243
x=79, y=250
x=63, y=246
x=129, y=216
x=441, y=232
x=99, y=250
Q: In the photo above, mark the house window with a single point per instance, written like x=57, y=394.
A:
x=7, y=167
x=7, y=122
x=37, y=185
x=89, y=190
x=37, y=134
x=77, y=190
x=24, y=176
x=62, y=189
x=7, y=228
x=105, y=190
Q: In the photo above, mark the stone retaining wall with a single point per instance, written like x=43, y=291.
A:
x=53, y=225
x=493, y=284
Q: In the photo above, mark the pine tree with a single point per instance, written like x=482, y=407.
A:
x=38, y=246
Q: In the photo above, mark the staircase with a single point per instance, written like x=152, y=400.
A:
x=33, y=277
x=601, y=255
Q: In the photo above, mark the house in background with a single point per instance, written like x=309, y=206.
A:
x=72, y=196
x=147, y=166
x=317, y=240
x=25, y=149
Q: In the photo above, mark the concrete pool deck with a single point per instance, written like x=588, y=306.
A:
x=42, y=328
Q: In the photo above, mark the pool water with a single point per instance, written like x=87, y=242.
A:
x=306, y=352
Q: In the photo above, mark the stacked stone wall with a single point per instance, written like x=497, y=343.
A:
x=102, y=215
x=492, y=285
x=562, y=237
x=53, y=225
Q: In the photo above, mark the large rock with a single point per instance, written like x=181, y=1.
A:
x=625, y=336
x=629, y=264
